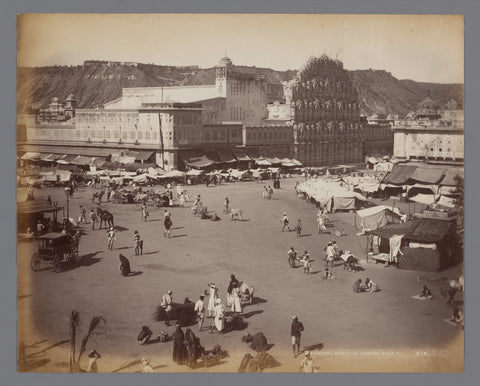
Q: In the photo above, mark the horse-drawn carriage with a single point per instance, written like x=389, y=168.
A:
x=124, y=197
x=160, y=198
x=55, y=249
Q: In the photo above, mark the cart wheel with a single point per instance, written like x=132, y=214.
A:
x=72, y=257
x=36, y=262
x=57, y=264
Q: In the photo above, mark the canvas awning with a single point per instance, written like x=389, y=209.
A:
x=141, y=178
x=375, y=217
x=82, y=160
x=424, y=230
x=200, y=162
x=30, y=155
x=194, y=172
x=143, y=155
x=427, y=175
x=74, y=150
x=274, y=160
x=48, y=157
x=400, y=174
x=241, y=156
x=173, y=174
x=394, y=229
x=254, y=154
x=429, y=231
x=430, y=199
x=296, y=162
x=263, y=162
x=226, y=156
x=449, y=179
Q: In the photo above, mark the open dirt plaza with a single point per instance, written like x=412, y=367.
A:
x=387, y=331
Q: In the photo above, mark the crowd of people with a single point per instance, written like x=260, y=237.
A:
x=209, y=304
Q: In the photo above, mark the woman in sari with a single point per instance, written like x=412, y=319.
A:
x=179, y=350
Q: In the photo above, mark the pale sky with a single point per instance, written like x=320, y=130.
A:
x=425, y=48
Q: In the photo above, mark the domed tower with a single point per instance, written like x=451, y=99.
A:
x=70, y=106
x=223, y=69
x=428, y=108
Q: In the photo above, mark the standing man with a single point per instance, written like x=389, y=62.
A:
x=321, y=224
x=111, y=238
x=298, y=228
x=330, y=254
x=270, y=192
x=200, y=310
x=136, y=242
x=93, y=218
x=167, y=305
x=285, y=221
x=219, y=315
x=167, y=222
x=227, y=206
x=83, y=215
x=233, y=280
x=144, y=212
x=296, y=333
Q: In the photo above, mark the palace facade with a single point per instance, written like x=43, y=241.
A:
x=314, y=118
x=432, y=132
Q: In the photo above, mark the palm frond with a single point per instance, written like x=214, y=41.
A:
x=74, y=323
x=94, y=323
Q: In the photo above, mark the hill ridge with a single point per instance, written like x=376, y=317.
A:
x=95, y=84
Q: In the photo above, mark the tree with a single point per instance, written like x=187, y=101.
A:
x=459, y=191
x=74, y=324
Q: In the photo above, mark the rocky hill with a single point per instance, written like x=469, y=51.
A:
x=97, y=83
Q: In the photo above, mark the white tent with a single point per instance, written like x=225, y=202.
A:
x=330, y=194
x=141, y=178
x=429, y=199
x=194, y=172
x=173, y=174
x=376, y=217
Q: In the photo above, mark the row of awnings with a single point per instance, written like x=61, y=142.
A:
x=95, y=160
x=220, y=157
x=412, y=174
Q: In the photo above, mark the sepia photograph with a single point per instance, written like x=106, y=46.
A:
x=240, y=193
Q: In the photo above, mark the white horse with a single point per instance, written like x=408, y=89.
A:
x=236, y=212
x=246, y=292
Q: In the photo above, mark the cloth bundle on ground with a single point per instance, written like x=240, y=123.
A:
x=258, y=363
x=184, y=314
x=199, y=210
x=235, y=323
x=258, y=341
x=213, y=357
x=213, y=216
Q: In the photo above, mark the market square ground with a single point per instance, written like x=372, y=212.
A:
x=385, y=331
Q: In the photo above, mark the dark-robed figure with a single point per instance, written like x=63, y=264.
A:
x=233, y=281
x=179, y=351
x=124, y=265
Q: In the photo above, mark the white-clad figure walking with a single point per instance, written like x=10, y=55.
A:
x=212, y=299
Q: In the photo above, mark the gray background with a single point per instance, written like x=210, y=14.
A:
x=8, y=375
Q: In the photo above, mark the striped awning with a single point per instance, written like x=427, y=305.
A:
x=30, y=155
x=241, y=156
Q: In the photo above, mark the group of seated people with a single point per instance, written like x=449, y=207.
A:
x=368, y=286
